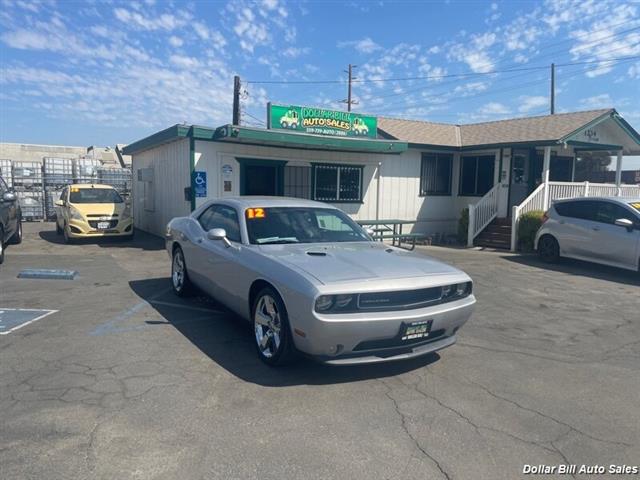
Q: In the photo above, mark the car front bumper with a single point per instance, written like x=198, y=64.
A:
x=375, y=337
x=82, y=229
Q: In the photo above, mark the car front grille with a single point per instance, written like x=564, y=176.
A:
x=401, y=300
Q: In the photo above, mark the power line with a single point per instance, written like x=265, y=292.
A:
x=502, y=90
x=522, y=85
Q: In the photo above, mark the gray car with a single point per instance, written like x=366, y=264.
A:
x=10, y=218
x=595, y=229
x=311, y=280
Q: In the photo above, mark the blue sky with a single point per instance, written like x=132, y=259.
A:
x=109, y=72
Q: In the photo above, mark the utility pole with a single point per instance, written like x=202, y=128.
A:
x=349, y=101
x=553, y=88
x=236, y=100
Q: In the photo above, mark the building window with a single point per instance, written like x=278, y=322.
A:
x=337, y=183
x=476, y=175
x=297, y=181
x=435, y=174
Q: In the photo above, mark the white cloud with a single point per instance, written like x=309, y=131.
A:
x=201, y=30
x=175, y=41
x=250, y=32
x=475, y=53
x=165, y=21
x=494, y=108
x=634, y=71
x=295, y=52
x=528, y=103
x=597, y=101
x=184, y=61
x=365, y=45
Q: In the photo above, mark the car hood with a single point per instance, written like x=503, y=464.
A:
x=344, y=262
x=99, y=208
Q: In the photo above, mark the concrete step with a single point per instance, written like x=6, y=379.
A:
x=499, y=244
x=501, y=236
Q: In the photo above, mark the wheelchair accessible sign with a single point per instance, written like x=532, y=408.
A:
x=200, y=184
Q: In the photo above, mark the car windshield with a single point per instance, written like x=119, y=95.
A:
x=301, y=225
x=94, y=195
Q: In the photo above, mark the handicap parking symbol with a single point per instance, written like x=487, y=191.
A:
x=200, y=183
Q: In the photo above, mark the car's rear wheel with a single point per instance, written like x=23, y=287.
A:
x=17, y=236
x=1, y=246
x=180, y=282
x=548, y=249
x=271, y=328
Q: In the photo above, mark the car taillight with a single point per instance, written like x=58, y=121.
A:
x=545, y=217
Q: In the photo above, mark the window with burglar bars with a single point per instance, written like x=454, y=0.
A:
x=435, y=174
x=337, y=183
x=297, y=182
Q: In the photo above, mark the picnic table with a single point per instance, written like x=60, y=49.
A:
x=391, y=228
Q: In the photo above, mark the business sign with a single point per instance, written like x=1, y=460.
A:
x=200, y=184
x=322, y=122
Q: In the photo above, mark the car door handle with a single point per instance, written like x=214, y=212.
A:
x=597, y=229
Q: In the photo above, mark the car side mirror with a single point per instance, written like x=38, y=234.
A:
x=625, y=222
x=9, y=197
x=219, y=234
x=59, y=203
x=370, y=232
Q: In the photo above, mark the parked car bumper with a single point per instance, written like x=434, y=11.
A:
x=82, y=229
x=359, y=338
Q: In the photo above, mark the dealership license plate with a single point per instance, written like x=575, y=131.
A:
x=417, y=330
x=103, y=225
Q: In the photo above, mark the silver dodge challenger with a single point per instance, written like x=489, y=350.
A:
x=311, y=280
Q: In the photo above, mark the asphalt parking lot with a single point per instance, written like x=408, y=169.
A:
x=124, y=380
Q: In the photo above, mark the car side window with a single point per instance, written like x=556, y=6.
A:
x=607, y=212
x=584, y=210
x=221, y=216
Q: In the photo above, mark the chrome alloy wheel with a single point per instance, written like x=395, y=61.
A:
x=267, y=323
x=177, y=270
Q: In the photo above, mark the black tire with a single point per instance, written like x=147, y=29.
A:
x=548, y=249
x=1, y=246
x=277, y=348
x=67, y=239
x=16, y=239
x=181, y=284
x=58, y=229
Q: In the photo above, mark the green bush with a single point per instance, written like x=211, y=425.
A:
x=463, y=226
x=528, y=225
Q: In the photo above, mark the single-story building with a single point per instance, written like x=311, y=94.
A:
x=380, y=168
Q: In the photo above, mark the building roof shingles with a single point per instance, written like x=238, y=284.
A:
x=539, y=129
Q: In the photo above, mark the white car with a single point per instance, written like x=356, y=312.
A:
x=595, y=229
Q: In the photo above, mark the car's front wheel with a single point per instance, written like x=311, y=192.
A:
x=17, y=236
x=548, y=249
x=67, y=238
x=1, y=246
x=179, y=276
x=271, y=328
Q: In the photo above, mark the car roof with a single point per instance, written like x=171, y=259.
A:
x=250, y=201
x=622, y=200
x=90, y=185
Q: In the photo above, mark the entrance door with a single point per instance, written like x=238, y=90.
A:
x=258, y=177
x=260, y=180
x=520, y=171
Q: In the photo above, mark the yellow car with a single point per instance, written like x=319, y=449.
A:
x=86, y=211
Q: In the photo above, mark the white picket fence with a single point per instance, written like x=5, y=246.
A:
x=541, y=198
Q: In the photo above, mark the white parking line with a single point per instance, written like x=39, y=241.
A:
x=186, y=307
x=47, y=313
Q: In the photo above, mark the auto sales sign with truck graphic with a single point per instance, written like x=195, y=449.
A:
x=322, y=122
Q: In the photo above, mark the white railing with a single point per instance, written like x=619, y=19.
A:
x=541, y=198
x=482, y=213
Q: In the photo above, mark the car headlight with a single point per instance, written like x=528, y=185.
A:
x=457, y=290
x=126, y=213
x=335, y=303
x=75, y=214
x=324, y=303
